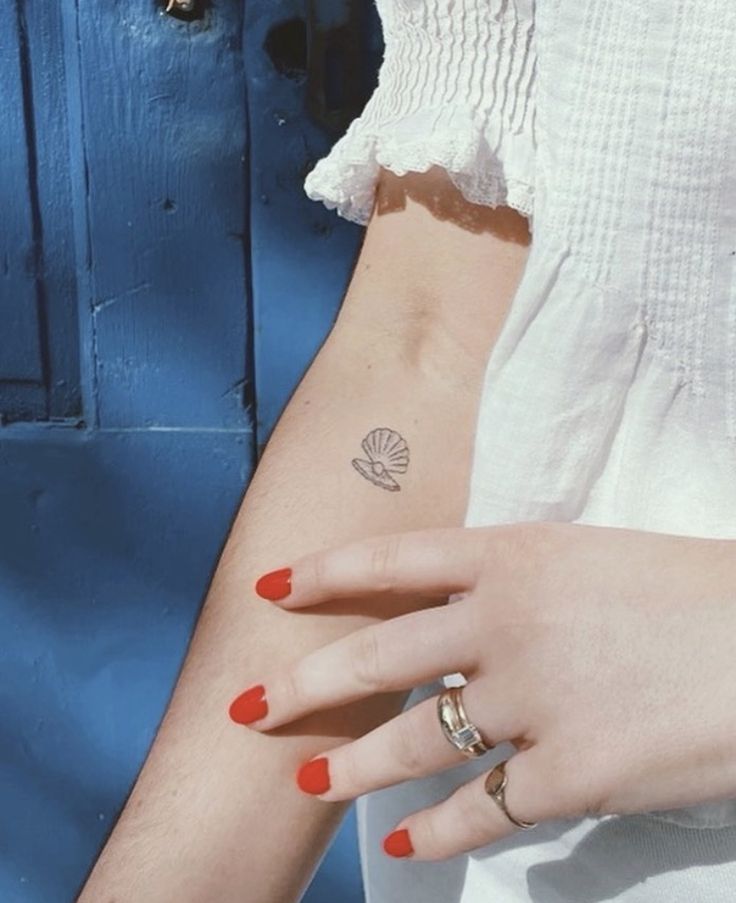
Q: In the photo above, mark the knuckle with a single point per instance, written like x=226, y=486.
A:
x=608, y=775
x=598, y=793
x=427, y=835
x=293, y=689
x=320, y=572
x=578, y=796
x=473, y=814
x=367, y=664
x=520, y=555
x=481, y=543
x=409, y=752
x=525, y=542
x=347, y=773
x=575, y=786
x=384, y=556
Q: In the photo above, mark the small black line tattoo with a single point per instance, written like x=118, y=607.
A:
x=387, y=453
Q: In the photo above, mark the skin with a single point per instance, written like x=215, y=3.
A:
x=572, y=639
x=427, y=298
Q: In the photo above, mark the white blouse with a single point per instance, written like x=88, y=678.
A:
x=610, y=394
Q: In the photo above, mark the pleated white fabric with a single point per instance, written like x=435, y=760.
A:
x=610, y=394
x=456, y=89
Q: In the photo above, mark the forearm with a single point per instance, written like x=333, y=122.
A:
x=215, y=814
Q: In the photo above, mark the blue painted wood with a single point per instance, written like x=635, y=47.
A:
x=302, y=254
x=39, y=358
x=106, y=547
x=56, y=277
x=20, y=351
x=164, y=117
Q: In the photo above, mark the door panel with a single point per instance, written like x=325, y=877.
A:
x=39, y=351
x=20, y=353
x=164, y=282
x=164, y=110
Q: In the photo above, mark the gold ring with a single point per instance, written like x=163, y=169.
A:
x=456, y=726
x=495, y=786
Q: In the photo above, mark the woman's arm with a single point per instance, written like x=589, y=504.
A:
x=215, y=813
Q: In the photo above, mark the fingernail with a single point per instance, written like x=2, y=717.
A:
x=274, y=585
x=249, y=706
x=314, y=776
x=398, y=843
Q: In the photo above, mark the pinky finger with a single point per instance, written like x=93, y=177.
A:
x=470, y=818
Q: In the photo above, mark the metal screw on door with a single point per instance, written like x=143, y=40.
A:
x=182, y=6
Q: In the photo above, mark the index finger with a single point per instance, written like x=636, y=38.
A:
x=439, y=560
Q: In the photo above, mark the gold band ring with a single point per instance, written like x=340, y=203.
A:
x=495, y=786
x=456, y=726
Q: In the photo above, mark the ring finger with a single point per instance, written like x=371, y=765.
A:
x=411, y=745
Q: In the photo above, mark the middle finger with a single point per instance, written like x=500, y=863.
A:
x=396, y=654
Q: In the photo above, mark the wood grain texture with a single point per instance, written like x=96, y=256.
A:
x=20, y=350
x=164, y=119
x=39, y=351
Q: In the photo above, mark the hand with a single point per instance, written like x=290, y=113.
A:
x=605, y=655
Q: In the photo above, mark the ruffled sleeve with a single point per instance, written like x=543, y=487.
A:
x=456, y=89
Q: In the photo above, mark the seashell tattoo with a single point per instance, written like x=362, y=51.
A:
x=387, y=453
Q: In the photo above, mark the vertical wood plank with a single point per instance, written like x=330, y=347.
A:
x=165, y=135
x=48, y=87
x=20, y=348
x=39, y=347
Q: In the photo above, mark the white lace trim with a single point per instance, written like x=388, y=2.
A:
x=453, y=91
x=345, y=180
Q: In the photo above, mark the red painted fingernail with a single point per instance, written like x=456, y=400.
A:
x=249, y=706
x=398, y=843
x=314, y=776
x=274, y=585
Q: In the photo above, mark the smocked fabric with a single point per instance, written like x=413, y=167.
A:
x=456, y=89
x=609, y=395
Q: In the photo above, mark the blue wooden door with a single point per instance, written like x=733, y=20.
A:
x=152, y=223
